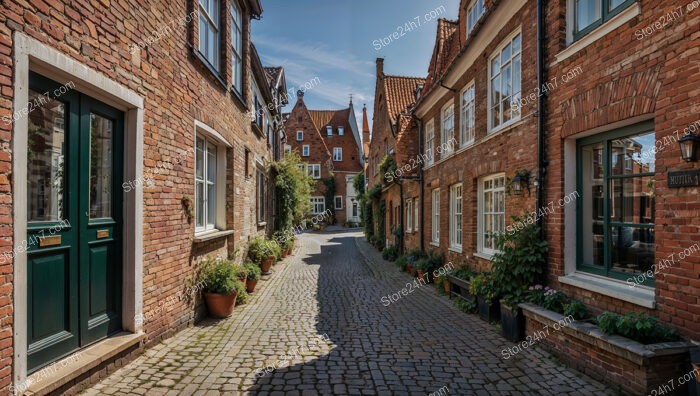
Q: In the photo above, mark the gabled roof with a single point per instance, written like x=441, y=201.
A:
x=273, y=74
x=446, y=49
x=400, y=92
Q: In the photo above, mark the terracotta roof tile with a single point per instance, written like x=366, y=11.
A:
x=321, y=118
x=400, y=93
x=447, y=47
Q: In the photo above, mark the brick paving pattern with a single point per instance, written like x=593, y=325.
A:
x=318, y=326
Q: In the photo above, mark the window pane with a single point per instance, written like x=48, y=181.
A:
x=101, y=133
x=211, y=204
x=45, y=159
x=516, y=44
x=200, y=204
x=505, y=53
x=496, y=91
x=199, y=159
x=592, y=205
x=211, y=163
x=632, y=249
x=633, y=154
x=632, y=200
x=587, y=12
x=614, y=4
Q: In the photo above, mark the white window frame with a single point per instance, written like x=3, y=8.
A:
x=515, y=96
x=409, y=216
x=416, y=215
x=236, y=46
x=287, y=149
x=341, y=131
x=435, y=232
x=261, y=196
x=305, y=150
x=430, y=142
x=315, y=201
x=336, y=200
x=481, y=218
x=300, y=136
x=473, y=18
x=209, y=17
x=337, y=154
x=456, y=219
x=467, y=115
x=329, y=130
x=210, y=137
x=311, y=170
x=447, y=129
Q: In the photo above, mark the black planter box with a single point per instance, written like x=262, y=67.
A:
x=489, y=310
x=512, y=323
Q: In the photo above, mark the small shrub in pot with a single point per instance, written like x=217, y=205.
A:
x=221, y=287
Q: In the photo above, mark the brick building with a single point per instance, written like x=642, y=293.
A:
x=134, y=141
x=395, y=136
x=329, y=143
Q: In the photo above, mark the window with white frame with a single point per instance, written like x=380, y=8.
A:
x=261, y=197
x=314, y=170
x=435, y=237
x=305, y=150
x=236, y=46
x=300, y=136
x=302, y=167
x=337, y=154
x=492, y=211
x=338, y=202
x=474, y=12
x=287, y=149
x=430, y=142
x=589, y=14
x=456, y=216
x=466, y=120
x=341, y=131
x=209, y=31
x=409, y=216
x=505, y=86
x=329, y=130
x=416, y=212
x=447, y=135
x=209, y=183
x=318, y=205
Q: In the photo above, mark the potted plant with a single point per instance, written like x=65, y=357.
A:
x=401, y=262
x=221, y=286
x=422, y=267
x=482, y=286
x=390, y=253
x=264, y=253
x=253, y=274
x=442, y=284
x=241, y=273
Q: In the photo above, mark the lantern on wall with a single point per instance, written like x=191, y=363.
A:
x=689, y=146
x=520, y=182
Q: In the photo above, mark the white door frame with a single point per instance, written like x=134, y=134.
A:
x=32, y=55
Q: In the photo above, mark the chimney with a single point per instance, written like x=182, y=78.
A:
x=300, y=94
x=380, y=67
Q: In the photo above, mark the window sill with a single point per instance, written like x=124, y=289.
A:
x=615, y=22
x=639, y=295
x=455, y=249
x=239, y=98
x=435, y=244
x=262, y=224
x=199, y=56
x=485, y=256
x=210, y=235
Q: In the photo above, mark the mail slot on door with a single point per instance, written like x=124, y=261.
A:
x=53, y=240
x=102, y=234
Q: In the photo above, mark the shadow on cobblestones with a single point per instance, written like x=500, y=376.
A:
x=417, y=345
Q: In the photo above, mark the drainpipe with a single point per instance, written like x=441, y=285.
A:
x=541, y=160
x=401, y=217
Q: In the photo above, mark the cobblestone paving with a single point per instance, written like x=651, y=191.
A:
x=318, y=326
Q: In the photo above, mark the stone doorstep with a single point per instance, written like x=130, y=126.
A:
x=625, y=348
x=54, y=376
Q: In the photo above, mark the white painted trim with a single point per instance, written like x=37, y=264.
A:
x=210, y=135
x=490, y=129
x=30, y=54
x=211, y=132
x=480, y=232
x=603, y=30
x=494, y=23
x=639, y=295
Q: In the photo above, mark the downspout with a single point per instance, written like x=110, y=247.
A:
x=541, y=160
x=401, y=217
x=420, y=180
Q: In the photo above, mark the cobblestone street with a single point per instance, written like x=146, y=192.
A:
x=318, y=326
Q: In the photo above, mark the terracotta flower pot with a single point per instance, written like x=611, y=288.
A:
x=243, y=278
x=250, y=285
x=220, y=305
x=447, y=286
x=409, y=269
x=420, y=274
x=288, y=251
x=267, y=264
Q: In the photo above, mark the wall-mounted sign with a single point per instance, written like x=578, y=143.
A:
x=689, y=178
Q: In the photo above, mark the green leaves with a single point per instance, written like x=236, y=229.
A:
x=637, y=326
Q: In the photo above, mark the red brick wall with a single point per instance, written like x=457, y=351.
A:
x=504, y=152
x=177, y=89
x=656, y=75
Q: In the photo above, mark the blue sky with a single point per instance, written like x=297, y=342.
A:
x=336, y=43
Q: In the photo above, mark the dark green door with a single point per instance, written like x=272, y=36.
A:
x=74, y=215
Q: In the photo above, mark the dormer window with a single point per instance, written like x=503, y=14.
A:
x=341, y=131
x=329, y=130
